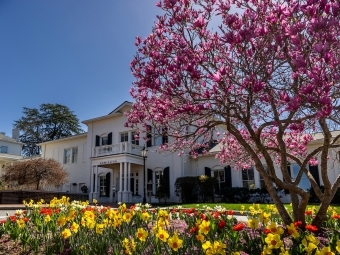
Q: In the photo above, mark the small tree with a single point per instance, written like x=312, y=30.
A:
x=35, y=173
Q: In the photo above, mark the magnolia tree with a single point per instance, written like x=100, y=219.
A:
x=268, y=72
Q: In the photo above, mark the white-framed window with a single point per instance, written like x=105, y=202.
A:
x=105, y=140
x=248, y=179
x=161, y=136
x=102, y=186
x=71, y=155
x=133, y=138
x=262, y=185
x=219, y=174
x=3, y=149
x=124, y=137
x=158, y=174
x=294, y=170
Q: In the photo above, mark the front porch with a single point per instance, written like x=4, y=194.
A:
x=117, y=178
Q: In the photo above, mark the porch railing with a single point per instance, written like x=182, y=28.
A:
x=118, y=148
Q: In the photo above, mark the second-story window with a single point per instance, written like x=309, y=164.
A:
x=4, y=149
x=124, y=137
x=105, y=140
x=71, y=155
x=133, y=138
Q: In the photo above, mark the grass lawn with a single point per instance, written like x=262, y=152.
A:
x=237, y=207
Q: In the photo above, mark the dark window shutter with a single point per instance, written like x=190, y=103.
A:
x=97, y=140
x=314, y=170
x=148, y=136
x=150, y=172
x=290, y=174
x=166, y=176
x=207, y=171
x=227, y=173
x=109, y=139
x=107, y=184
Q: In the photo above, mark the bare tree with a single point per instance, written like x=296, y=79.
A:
x=35, y=173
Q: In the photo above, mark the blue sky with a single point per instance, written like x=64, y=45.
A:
x=72, y=52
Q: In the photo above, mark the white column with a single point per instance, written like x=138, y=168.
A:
x=125, y=176
x=91, y=179
x=129, y=174
x=120, y=176
x=96, y=181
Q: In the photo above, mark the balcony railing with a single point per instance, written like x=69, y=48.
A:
x=118, y=148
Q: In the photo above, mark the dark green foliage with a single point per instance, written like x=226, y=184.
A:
x=314, y=199
x=49, y=122
x=162, y=192
x=193, y=189
x=244, y=195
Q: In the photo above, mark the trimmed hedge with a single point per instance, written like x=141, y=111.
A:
x=314, y=199
x=193, y=189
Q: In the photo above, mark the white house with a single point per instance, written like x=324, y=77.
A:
x=10, y=149
x=107, y=159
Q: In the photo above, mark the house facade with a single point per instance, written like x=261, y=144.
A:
x=10, y=149
x=107, y=160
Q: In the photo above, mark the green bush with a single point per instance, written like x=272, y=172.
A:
x=314, y=199
x=193, y=189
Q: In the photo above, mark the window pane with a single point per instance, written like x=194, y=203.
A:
x=245, y=184
x=244, y=175
x=105, y=140
x=74, y=154
x=304, y=183
x=4, y=149
x=124, y=137
x=296, y=169
x=251, y=184
x=67, y=156
x=251, y=174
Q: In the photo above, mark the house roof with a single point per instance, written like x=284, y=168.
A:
x=8, y=139
x=71, y=137
x=115, y=113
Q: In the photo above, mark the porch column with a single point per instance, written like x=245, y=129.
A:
x=96, y=181
x=111, y=185
x=125, y=176
x=91, y=179
x=129, y=174
x=120, y=176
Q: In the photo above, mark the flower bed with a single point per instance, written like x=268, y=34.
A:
x=62, y=227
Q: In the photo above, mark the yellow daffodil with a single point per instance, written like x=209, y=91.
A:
x=21, y=223
x=162, y=235
x=273, y=241
x=311, y=248
x=265, y=217
x=338, y=246
x=145, y=216
x=47, y=218
x=142, y=234
x=215, y=248
x=66, y=233
x=266, y=250
x=127, y=217
x=174, y=242
x=200, y=237
x=274, y=229
x=61, y=221
x=253, y=223
x=326, y=250
x=204, y=227
x=292, y=230
x=100, y=228
x=74, y=227
x=310, y=239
